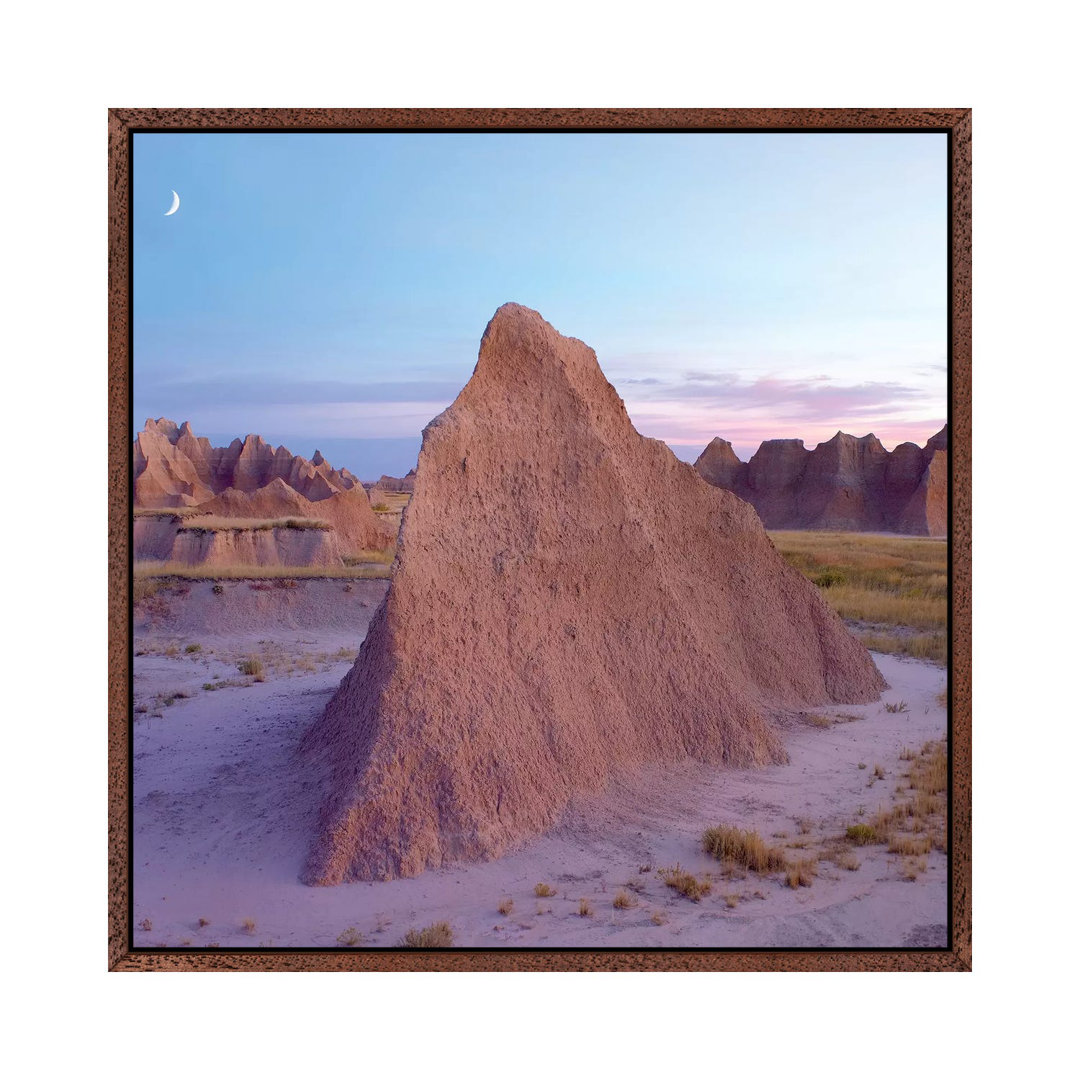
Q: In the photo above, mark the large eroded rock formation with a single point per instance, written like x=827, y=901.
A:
x=569, y=600
x=845, y=483
x=247, y=479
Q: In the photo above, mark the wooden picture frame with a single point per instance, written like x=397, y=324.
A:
x=124, y=123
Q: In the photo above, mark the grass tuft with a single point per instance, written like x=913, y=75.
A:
x=682, y=881
x=742, y=847
x=801, y=872
x=543, y=890
x=506, y=906
x=623, y=900
x=436, y=936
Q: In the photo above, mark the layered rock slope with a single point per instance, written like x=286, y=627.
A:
x=569, y=601
x=248, y=479
x=847, y=483
x=399, y=484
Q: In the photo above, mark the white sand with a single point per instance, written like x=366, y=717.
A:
x=224, y=814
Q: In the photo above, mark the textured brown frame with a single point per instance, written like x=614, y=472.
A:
x=124, y=123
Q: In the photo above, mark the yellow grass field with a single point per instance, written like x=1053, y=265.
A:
x=894, y=588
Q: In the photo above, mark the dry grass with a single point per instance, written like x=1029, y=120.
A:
x=247, y=925
x=213, y=523
x=915, y=824
x=912, y=868
x=931, y=647
x=371, y=555
x=896, y=581
x=584, y=908
x=170, y=573
x=908, y=844
x=819, y=720
x=543, y=890
x=801, y=872
x=253, y=666
x=743, y=848
x=506, y=906
x=623, y=900
x=842, y=856
x=731, y=899
x=681, y=881
x=146, y=924
x=350, y=938
x=659, y=918
x=177, y=512
x=436, y=936
x=203, y=922
x=896, y=706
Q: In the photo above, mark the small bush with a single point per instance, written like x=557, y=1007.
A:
x=506, y=906
x=879, y=773
x=691, y=887
x=203, y=922
x=436, y=936
x=217, y=590
x=251, y=665
x=544, y=890
x=248, y=926
x=828, y=579
x=820, y=721
x=146, y=924
x=659, y=917
x=896, y=706
x=193, y=648
x=381, y=508
x=623, y=900
x=743, y=847
x=861, y=835
x=350, y=937
x=584, y=908
x=731, y=899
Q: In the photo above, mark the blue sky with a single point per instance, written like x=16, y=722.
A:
x=331, y=290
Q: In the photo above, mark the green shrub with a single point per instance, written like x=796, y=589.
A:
x=861, y=835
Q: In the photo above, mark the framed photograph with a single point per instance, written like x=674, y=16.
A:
x=540, y=540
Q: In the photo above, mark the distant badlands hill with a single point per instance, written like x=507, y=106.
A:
x=847, y=483
x=208, y=487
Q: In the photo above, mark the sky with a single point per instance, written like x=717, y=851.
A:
x=330, y=290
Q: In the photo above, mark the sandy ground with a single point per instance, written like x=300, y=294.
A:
x=224, y=813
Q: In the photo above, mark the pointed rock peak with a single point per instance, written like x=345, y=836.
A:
x=163, y=426
x=940, y=441
x=434, y=748
x=317, y=458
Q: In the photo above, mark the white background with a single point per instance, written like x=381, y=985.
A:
x=65, y=65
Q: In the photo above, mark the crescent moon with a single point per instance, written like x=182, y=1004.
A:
x=175, y=205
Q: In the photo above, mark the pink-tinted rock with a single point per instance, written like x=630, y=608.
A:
x=569, y=601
